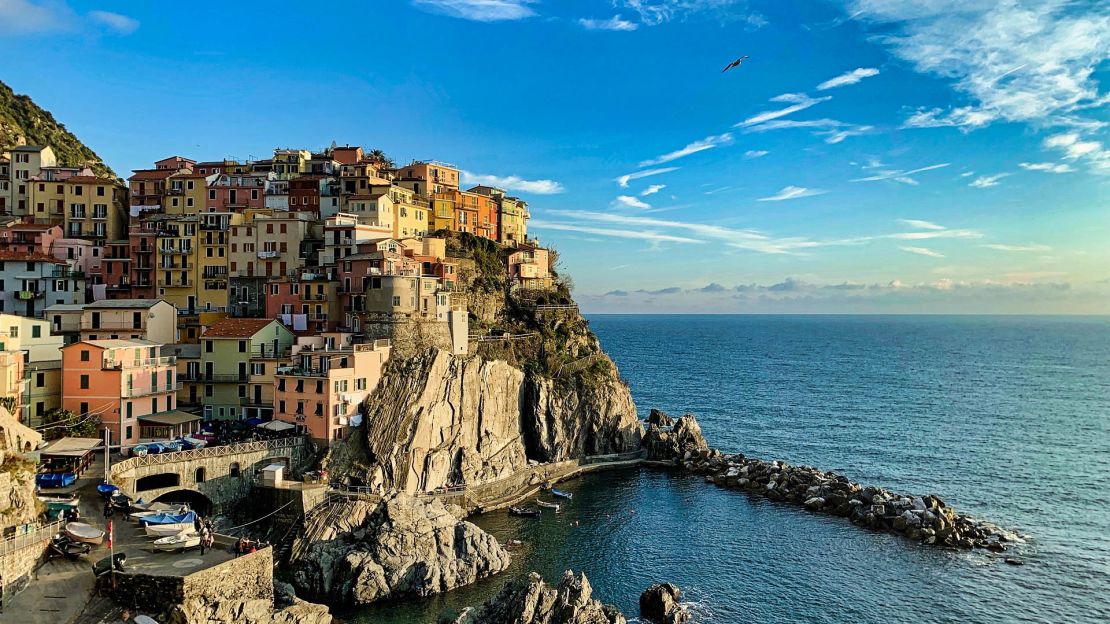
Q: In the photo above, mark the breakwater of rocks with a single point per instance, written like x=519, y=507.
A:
x=926, y=519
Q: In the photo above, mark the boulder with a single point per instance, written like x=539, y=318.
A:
x=659, y=418
x=660, y=604
x=399, y=547
x=532, y=601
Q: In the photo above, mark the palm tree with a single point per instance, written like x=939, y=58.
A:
x=379, y=157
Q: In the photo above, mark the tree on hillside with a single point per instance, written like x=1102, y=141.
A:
x=61, y=423
x=378, y=156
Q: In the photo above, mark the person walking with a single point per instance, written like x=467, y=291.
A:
x=206, y=541
x=203, y=541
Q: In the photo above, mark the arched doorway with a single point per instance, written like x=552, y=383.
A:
x=197, y=502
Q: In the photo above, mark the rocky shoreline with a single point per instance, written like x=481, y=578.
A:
x=925, y=519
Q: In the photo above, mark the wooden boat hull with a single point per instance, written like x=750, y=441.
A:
x=81, y=532
x=181, y=541
x=166, y=530
x=547, y=505
x=561, y=494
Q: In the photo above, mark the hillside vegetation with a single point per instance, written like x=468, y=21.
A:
x=22, y=122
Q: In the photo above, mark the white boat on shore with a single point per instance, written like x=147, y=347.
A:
x=180, y=541
x=166, y=530
x=547, y=505
x=81, y=532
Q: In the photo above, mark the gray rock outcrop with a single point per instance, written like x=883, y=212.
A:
x=660, y=604
x=256, y=611
x=532, y=601
x=399, y=547
x=680, y=441
x=438, y=420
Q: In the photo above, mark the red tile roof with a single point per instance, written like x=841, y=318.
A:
x=152, y=174
x=28, y=257
x=236, y=328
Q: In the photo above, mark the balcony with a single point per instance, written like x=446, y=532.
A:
x=249, y=402
x=226, y=378
x=141, y=363
x=130, y=393
x=215, y=272
x=27, y=295
x=168, y=233
x=175, y=251
x=70, y=274
x=119, y=287
x=128, y=326
x=265, y=255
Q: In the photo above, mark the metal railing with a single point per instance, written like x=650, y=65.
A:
x=209, y=451
x=131, y=393
x=40, y=533
x=158, y=361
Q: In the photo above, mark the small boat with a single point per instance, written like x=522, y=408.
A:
x=547, y=505
x=81, y=532
x=561, y=494
x=169, y=518
x=139, y=450
x=166, y=530
x=61, y=545
x=154, y=448
x=178, y=541
x=107, y=490
x=121, y=502
x=524, y=512
x=171, y=446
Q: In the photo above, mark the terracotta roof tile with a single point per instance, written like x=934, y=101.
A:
x=236, y=328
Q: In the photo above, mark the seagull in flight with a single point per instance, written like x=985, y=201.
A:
x=735, y=63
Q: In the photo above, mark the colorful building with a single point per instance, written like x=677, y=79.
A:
x=121, y=382
x=31, y=282
x=429, y=177
x=232, y=352
x=328, y=378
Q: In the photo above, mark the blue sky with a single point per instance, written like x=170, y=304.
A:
x=868, y=156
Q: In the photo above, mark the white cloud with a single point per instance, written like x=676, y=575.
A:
x=480, y=10
x=921, y=225
x=1031, y=62
x=629, y=201
x=833, y=130
x=755, y=153
x=923, y=251
x=798, y=102
x=25, y=17
x=1075, y=148
x=792, y=192
x=119, y=23
x=513, y=183
x=945, y=233
x=1047, y=167
x=701, y=145
x=615, y=23
x=987, y=181
x=899, y=175
x=833, y=137
x=654, y=12
x=623, y=180
x=1032, y=247
x=653, y=189
x=848, y=78
x=657, y=237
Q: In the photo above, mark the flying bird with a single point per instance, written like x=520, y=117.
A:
x=735, y=63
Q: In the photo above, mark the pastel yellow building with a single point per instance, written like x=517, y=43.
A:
x=214, y=238
x=94, y=208
x=290, y=163
x=187, y=192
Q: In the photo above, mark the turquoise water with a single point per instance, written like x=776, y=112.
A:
x=1006, y=417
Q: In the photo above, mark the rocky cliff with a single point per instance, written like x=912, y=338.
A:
x=532, y=601
x=22, y=122
x=439, y=420
x=400, y=547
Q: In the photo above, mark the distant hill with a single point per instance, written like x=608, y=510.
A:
x=22, y=122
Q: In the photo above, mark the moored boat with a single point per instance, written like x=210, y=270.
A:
x=524, y=512
x=547, y=505
x=107, y=490
x=178, y=541
x=561, y=494
x=166, y=530
x=81, y=532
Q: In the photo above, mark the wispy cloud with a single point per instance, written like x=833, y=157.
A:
x=832, y=130
x=623, y=180
x=701, y=145
x=615, y=23
x=921, y=225
x=628, y=201
x=1077, y=148
x=755, y=153
x=987, y=181
x=480, y=10
x=647, y=235
x=922, y=251
x=119, y=23
x=848, y=78
x=27, y=17
x=833, y=137
x=1047, y=167
x=514, y=183
x=900, y=175
x=792, y=192
x=653, y=189
x=1032, y=247
x=797, y=101
x=655, y=12
x=1030, y=62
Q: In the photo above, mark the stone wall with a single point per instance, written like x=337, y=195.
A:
x=16, y=567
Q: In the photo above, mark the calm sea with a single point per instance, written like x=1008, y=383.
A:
x=1005, y=417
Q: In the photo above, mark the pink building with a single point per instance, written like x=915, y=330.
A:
x=127, y=384
x=29, y=238
x=320, y=392
x=231, y=192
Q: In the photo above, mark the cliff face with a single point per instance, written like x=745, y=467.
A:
x=22, y=122
x=438, y=420
x=532, y=601
x=400, y=547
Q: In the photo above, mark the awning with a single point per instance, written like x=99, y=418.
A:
x=70, y=447
x=169, y=418
x=254, y=422
x=277, y=425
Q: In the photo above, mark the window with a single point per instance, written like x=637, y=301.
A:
x=130, y=410
x=396, y=301
x=84, y=409
x=233, y=470
x=208, y=346
x=84, y=382
x=129, y=432
x=242, y=346
x=198, y=475
x=36, y=331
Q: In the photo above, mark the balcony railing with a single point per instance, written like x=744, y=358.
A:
x=268, y=254
x=127, y=325
x=27, y=295
x=141, y=363
x=174, y=250
x=226, y=378
x=67, y=273
x=131, y=393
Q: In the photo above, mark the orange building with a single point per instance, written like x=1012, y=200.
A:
x=127, y=384
x=429, y=177
x=473, y=213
